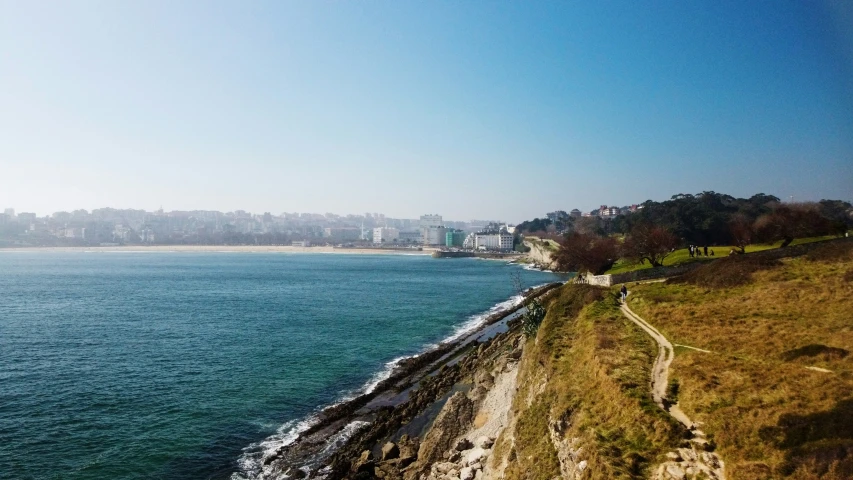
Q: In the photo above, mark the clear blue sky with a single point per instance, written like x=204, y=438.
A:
x=468, y=109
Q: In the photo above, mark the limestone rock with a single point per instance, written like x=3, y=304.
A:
x=390, y=451
x=484, y=442
x=675, y=472
x=408, y=450
x=475, y=455
x=466, y=473
x=463, y=444
x=484, y=379
x=453, y=420
x=364, y=463
x=443, y=467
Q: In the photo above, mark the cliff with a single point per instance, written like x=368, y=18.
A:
x=738, y=369
x=540, y=254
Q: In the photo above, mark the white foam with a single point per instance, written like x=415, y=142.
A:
x=337, y=440
x=537, y=269
x=476, y=321
x=251, y=462
x=374, y=380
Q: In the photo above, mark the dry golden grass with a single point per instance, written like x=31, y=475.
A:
x=770, y=415
x=590, y=367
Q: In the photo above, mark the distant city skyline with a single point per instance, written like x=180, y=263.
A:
x=474, y=110
x=593, y=205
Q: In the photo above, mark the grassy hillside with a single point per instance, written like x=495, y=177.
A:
x=776, y=391
x=583, y=394
x=683, y=255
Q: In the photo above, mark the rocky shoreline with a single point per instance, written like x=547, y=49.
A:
x=402, y=429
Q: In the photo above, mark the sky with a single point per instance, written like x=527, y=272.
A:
x=474, y=109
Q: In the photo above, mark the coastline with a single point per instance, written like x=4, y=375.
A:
x=219, y=249
x=322, y=443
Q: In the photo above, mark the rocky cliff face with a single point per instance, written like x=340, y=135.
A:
x=458, y=443
x=540, y=254
x=571, y=403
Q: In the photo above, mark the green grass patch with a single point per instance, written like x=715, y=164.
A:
x=682, y=256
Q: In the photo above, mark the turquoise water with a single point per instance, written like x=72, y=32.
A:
x=187, y=365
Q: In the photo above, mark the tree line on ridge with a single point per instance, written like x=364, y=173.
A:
x=709, y=218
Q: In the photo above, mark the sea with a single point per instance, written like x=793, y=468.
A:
x=177, y=365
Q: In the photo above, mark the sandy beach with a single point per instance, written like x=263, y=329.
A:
x=222, y=249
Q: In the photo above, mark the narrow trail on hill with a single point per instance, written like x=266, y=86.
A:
x=684, y=462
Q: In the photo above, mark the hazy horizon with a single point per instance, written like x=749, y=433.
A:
x=344, y=214
x=470, y=110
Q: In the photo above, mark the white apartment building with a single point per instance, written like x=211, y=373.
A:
x=385, y=235
x=434, y=235
x=493, y=241
x=470, y=241
x=431, y=221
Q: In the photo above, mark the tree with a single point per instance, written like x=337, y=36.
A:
x=535, y=225
x=740, y=228
x=582, y=252
x=788, y=221
x=534, y=312
x=838, y=212
x=650, y=243
x=589, y=226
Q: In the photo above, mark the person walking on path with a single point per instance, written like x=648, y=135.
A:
x=624, y=292
x=706, y=250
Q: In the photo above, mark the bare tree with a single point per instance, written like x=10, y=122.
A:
x=789, y=221
x=740, y=228
x=588, y=226
x=580, y=252
x=650, y=243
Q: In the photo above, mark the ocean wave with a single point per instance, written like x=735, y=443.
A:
x=537, y=269
x=374, y=381
x=251, y=462
x=476, y=321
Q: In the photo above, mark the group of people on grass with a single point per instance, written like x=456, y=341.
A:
x=696, y=251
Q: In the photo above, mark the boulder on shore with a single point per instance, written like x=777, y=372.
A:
x=390, y=451
x=364, y=463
